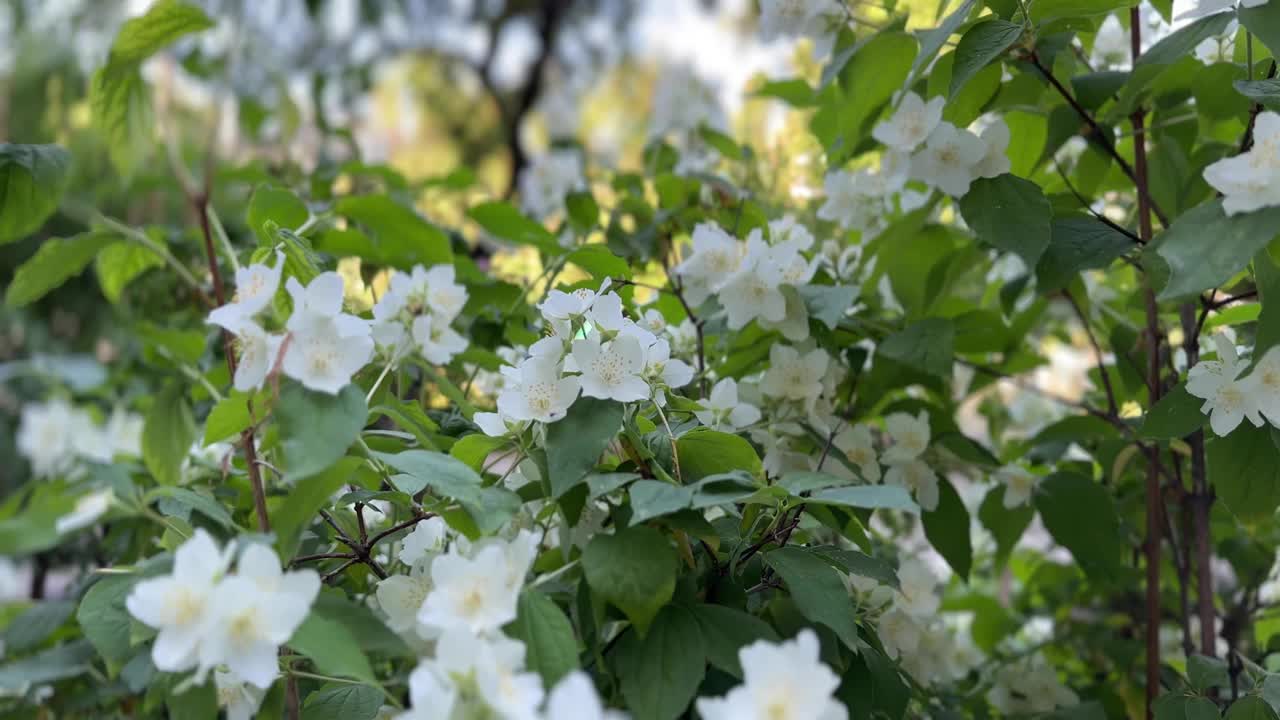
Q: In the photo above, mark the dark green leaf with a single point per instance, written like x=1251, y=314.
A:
x=576, y=441
x=1006, y=525
x=1062, y=499
x=725, y=631
x=332, y=648
x=192, y=500
x=928, y=346
x=57, y=260
x=400, y=235
x=1195, y=265
x=1266, y=92
x=271, y=204
x=600, y=261
x=947, y=528
x=653, y=498
x=1046, y=11
x=32, y=180
x=36, y=623
x=1266, y=277
x=317, y=428
x=661, y=671
x=816, y=588
x=64, y=661
x=1011, y=214
x=119, y=263
x=167, y=433
x=981, y=44
x=828, y=303
x=447, y=476
x=888, y=497
x=229, y=416
x=1176, y=415
x=1250, y=707
x=584, y=213
x=856, y=563
x=794, y=91
x=1078, y=243
x=705, y=452
x=103, y=618
x=1244, y=469
x=1205, y=672
x=634, y=569
x=550, y=647
x=343, y=702
x=305, y=501
x=1264, y=22
x=502, y=220
x=931, y=41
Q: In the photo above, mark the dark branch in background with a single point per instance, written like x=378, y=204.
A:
x=1085, y=204
x=1198, y=502
x=1112, y=406
x=1153, y=496
x=1103, y=136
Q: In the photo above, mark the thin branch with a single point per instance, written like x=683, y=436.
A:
x=397, y=528
x=1246, y=141
x=1112, y=406
x=1086, y=205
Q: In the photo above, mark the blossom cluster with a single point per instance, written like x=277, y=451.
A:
x=321, y=346
x=592, y=350
x=1230, y=395
x=56, y=437
x=930, y=647
x=1251, y=180
x=780, y=681
x=208, y=617
x=457, y=595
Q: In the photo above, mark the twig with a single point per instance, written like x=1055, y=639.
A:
x=1085, y=204
x=397, y=528
x=1112, y=406
x=1246, y=141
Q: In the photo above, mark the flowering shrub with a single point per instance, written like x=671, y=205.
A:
x=959, y=434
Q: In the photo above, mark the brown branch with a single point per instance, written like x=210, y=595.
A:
x=1087, y=206
x=1153, y=498
x=550, y=15
x=1246, y=141
x=397, y=528
x=1200, y=499
x=1104, y=138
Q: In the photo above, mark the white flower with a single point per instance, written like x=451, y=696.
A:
x=497, y=424
x=430, y=696
x=428, y=537
x=724, y=411
x=437, y=341
x=948, y=159
x=1251, y=181
x=547, y=179
x=661, y=370
x=560, y=305
x=326, y=346
x=995, y=160
x=855, y=442
x=917, y=476
x=606, y=312
x=87, y=511
x=899, y=631
x=239, y=699
x=1228, y=399
x=795, y=18
x=401, y=598
x=258, y=351
x=911, y=124
x=255, y=286
x=917, y=589
x=124, y=432
x=910, y=436
x=611, y=371
x=784, y=681
x=45, y=437
x=682, y=101
x=445, y=298
x=852, y=204
x=575, y=698
x=716, y=256
x=794, y=376
x=468, y=593
x=1029, y=686
x=1265, y=382
x=653, y=321
x=1019, y=483
x=492, y=664
x=253, y=612
x=539, y=393
x=177, y=604
x=1111, y=45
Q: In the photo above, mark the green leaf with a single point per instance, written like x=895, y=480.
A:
x=1205, y=672
x=856, y=563
x=1005, y=524
x=931, y=41
x=332, y=648
x=1078, y=242
x=490, y=507
x=475, y=448
x=928, y=346
x=793, y=91
x=502, y=220
x=305, y=500
x=634, y=569
x=1011, y=214
x=1244, y=469
x=104, y=619
x=229, y=416
x=57, y=663
x=981, y=44
x=947, y=529
x=653, y=498
x=1045, y=11
x=32, y=180
x=828, y=303
x=600, y=261
x=1264, y=22
x=343, y=702
x=36, y=623
x=576, y=441
x=1062, y=499
x=371, y=633
x=877, y=69
x=411, y=418
x=57, y=261
x=1195, y=265
x=584, y=213
x=817, y=590
x=1175, y=46
x=1250, y=707
x=550, y=647
x=726, y=630
x=662, y=670
x=120, y=263
x=888, y=497
x=271, y=204
x=1266, y=276
x=121, y=106
x=165, y=22
x=1176, y=415
x=400, y=235
x=1266, y=92
x=167, y=433
x=191, y=500
x=317, y=428
x=705, y=452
